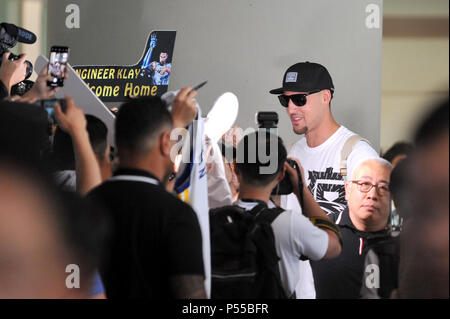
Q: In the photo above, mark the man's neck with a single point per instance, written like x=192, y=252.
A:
x=322, y=133
x=368, y=227
x=145, y=164
x=256, y=193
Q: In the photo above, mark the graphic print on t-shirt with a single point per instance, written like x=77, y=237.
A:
x=329, y=191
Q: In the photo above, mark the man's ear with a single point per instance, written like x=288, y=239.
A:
x=165, y=143
x=106, y=156
x=326, y=96
x=347, y=190
x=281, y=175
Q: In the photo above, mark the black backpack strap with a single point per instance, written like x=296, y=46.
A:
x=268, y=215
x=266, y=242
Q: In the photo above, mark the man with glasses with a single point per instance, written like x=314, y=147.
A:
x=306, y=94
x=363, y=224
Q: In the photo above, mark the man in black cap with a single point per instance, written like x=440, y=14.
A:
x=327, y=152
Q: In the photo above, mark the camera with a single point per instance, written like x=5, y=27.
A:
x=269, y=120
x=10, y=34
x=48, y=106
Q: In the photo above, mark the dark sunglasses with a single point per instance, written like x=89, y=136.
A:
x=297, y=99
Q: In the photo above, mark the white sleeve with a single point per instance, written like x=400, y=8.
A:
x=305, y=238
x=219, y=192
x=362, y=151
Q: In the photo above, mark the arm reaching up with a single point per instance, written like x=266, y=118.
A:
x=73, y=122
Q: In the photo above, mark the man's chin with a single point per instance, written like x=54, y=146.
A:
x=300, y=130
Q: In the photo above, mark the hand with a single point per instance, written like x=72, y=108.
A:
x=13, y=72
x=73, y=120
x=164, y=71
x=293, y=177
x=233, y=136
x=40, y=89
x=184, y=108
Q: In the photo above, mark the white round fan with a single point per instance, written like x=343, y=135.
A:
x=222, y=116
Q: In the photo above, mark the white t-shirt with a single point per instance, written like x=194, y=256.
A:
x=294, y=236
x=321, y=165
x=219, y=192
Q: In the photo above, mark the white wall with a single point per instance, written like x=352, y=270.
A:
x=240, y=46
x=415, y=71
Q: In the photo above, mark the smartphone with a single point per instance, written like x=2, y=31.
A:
x=57, y=65
x=48, y=106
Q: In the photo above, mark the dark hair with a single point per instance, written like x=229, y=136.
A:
x=434, y=124
x=251, y=165
x=98, y=133
x=62, y=150
x=138, y=121
x=398, y=148
x=399, y=186
x=23, y=130
x=63, y=155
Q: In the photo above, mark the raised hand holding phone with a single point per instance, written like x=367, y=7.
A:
x=57, y=65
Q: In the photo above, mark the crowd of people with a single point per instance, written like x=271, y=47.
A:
x=79, y=220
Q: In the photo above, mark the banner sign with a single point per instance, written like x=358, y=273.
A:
x=149, y=77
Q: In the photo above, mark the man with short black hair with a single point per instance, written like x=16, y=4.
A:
x=64, y=158
x=156, y=250
x=295, y=236
x=326, y=152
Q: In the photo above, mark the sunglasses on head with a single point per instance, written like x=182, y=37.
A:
x=297, y=99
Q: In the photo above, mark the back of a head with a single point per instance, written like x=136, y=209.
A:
x=98, y=133
x=398, y=186
x=260, y=157
x=62, y=151
x=23, y=130
x=434, y=126
x=139, y=122
x=399, y=148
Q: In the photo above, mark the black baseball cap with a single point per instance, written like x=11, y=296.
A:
x=305, y=77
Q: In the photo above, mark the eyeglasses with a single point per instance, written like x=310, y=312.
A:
x=297, y=99
x=365, y=187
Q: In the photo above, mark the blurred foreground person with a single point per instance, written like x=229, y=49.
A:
x=156, y=247
x=48, y=246
x=424, y=249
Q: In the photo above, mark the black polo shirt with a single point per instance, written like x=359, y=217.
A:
x=341, y=277
x=155, y=236
x=3, y=91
